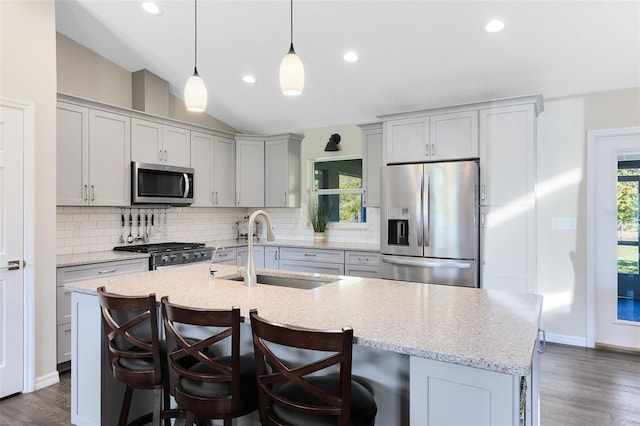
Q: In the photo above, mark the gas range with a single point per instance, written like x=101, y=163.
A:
x=171, y=254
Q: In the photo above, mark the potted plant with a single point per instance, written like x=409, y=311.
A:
x=319, y=216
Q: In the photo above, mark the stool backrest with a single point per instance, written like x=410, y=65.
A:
x=190, y=335
x=273, y=370
x=130, y=325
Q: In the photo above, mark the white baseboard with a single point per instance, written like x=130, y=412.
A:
x=47, y=380
x=567, y=340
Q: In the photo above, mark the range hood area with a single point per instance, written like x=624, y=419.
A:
x=149, y=93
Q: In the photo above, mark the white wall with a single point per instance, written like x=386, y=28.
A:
x=28, y=73
x=562, y=174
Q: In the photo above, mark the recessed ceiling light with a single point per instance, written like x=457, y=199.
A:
x=494, y=26
x=151, y=7
x=350, y=57
x=249, y=79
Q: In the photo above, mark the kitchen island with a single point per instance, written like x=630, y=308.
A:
x=432, y=354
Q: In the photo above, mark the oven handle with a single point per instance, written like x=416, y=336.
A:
x=185, y=177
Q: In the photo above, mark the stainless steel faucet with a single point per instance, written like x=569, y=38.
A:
x=250, y=276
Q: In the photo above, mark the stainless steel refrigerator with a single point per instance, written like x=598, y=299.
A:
x=429, y=223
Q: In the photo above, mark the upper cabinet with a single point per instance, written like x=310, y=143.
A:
x=250, y=171
x=213, y=159
x=153, y=142
x=268, y=170
x=371, y=163
x=430, y=136
x=282, y=170
x=93, y=157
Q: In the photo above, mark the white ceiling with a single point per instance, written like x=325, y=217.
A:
x=413, y=54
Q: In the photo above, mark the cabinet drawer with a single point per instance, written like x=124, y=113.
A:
x=362, y=271
x=99, y=270
x=63, y=306
x=362, y=258
x=313, y=267
x=311, y=255
x=226, y=255
x=63, y=338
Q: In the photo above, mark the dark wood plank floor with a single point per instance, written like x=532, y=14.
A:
x=579, y=386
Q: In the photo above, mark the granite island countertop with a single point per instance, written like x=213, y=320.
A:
x=485, y=329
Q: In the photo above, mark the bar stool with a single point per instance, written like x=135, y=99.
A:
x=205, y=386
x=292, y=392
x=130, y=325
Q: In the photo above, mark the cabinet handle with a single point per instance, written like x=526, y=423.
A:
x=426, y=150
x=364, y=194
x=482, y=220
x=159, y=155
x=363, y=258
x=93, y=193
x=482, y=190
x=107, y=271
x=310, y=254
x=216, y=197
x=433, y=149
x=85, y=192
x=275, y=255
x=284, y=199
x=223, y=255
x=237, y=198
x=166, y=156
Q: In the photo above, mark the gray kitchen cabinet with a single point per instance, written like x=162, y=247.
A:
x=312, y=260
x=432, y=135
x=93, y=157
x=507, y=194
x=371, y=163
x=226, y=256
x=282, y=170
x=159, y=143
x=271, y=257
x=362, y=264
x=250, y=188
x=70, y=274
x=258, y=256
x=213, y=159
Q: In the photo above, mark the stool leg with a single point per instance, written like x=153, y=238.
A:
x=126, y=403
x=157, y=406
x=189, y=420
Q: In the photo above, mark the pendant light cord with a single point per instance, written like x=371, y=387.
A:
x=291, y=26
x=195, y=36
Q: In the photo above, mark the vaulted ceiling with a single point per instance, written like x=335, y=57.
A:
x=413, y=54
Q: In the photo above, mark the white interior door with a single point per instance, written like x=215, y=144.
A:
x=606, y=149
x=12, y=125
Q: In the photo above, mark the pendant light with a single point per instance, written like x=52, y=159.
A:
x=291, y=69
x=195, y=92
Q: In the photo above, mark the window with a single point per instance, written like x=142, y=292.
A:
x=337, y=186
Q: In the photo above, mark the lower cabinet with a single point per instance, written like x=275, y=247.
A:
x=271, y=257
x=312, y=260
x=226, y=256
x=70, y=274
x=258, y=256
x=362, y=264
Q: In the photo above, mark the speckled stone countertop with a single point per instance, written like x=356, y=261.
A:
x=326, y=245
x=491, y=330
x=96, y=257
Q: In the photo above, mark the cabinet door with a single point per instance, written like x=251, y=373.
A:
x=407, y=140
x=176, y=146
x=507, y=136
x=276, y=180
x=146, y=141
x=72, y=155
x=109, y=159
x=249, y=173
x=258, y=256
x=224, y=172
x=271, y=256
x=202, y=155
x=506, y=248
x=454, y=136
x=371, y=163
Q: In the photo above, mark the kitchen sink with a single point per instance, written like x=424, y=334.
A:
x=303, y=283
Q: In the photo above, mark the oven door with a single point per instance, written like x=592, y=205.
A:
x=161, y=184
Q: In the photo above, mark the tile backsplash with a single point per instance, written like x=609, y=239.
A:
x=92, y=229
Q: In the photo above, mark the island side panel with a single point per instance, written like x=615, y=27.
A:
x=447, y=394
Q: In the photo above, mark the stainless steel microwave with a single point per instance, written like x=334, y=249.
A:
x=161, y=184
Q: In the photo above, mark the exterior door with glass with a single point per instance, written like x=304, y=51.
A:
x=614, y=189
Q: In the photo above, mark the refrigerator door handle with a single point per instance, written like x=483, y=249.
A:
x=425, y=209
x=425, y=263
x=419, y=213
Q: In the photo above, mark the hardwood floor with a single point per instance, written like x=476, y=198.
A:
x=579, y=386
